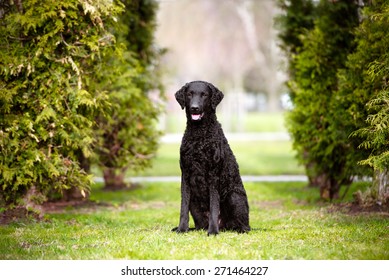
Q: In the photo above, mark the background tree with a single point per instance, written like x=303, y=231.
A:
x=127, y=133
x=313, y=85
x=294, y=22
x=47, y=52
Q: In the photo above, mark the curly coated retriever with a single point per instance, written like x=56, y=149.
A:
x=211, y=187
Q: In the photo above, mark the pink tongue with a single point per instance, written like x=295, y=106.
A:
x=196, y=117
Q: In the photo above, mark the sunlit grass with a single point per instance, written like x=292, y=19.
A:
x=288, y=219
x=254, y=158
x=250, y=122
x=288, y=223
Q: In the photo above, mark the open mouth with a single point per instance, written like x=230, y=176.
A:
x=197, y=117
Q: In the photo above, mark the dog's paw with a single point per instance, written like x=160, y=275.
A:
x=180, y=230
x=213, y=231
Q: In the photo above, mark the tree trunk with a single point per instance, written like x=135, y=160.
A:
x=329, y=189
x=114, y=179
x=380, y=191
x=74, y=194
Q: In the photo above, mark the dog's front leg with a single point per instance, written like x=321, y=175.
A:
x=214, y=210
x=184, y=212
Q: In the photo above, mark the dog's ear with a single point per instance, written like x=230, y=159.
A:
x=216, y=97
x=180, y=96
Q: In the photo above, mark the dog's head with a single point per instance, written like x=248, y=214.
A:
x=199, y=99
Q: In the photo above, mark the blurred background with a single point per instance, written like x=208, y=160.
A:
x=80, y=89
x=141, y=52
x=232, y=44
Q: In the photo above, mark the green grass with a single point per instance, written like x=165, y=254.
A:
x=251, y=122
x=264, y=122
x=266, y=158
x=288, y=222
x=254, y=158
x=288, y=219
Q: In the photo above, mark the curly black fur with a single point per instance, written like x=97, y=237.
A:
x=211, y=186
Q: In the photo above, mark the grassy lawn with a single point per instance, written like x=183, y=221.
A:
x=287, y=219
x=264, y=122
x=254, y=158
x=251, y=122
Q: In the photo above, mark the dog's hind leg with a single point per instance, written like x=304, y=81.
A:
x=200, y=217
x=235, y=213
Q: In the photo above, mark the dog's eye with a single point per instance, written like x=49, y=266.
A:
x=205, y=94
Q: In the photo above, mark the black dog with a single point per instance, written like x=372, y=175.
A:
x=211, y=187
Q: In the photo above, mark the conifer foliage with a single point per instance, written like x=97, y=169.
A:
x=47, y=51
x=127, y=135
x=368, y=76
x=323, y=51
x=63, y=68
x=339, y=87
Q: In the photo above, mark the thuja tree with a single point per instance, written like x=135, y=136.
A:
x=324, y=50
x=48, y=49
x=293, y=24
x=366, y=80
x=127, y=134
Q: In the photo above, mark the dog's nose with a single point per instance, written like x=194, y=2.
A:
x=195, y=108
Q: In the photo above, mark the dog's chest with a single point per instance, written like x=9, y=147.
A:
x=196, y=163
x=196, y=155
